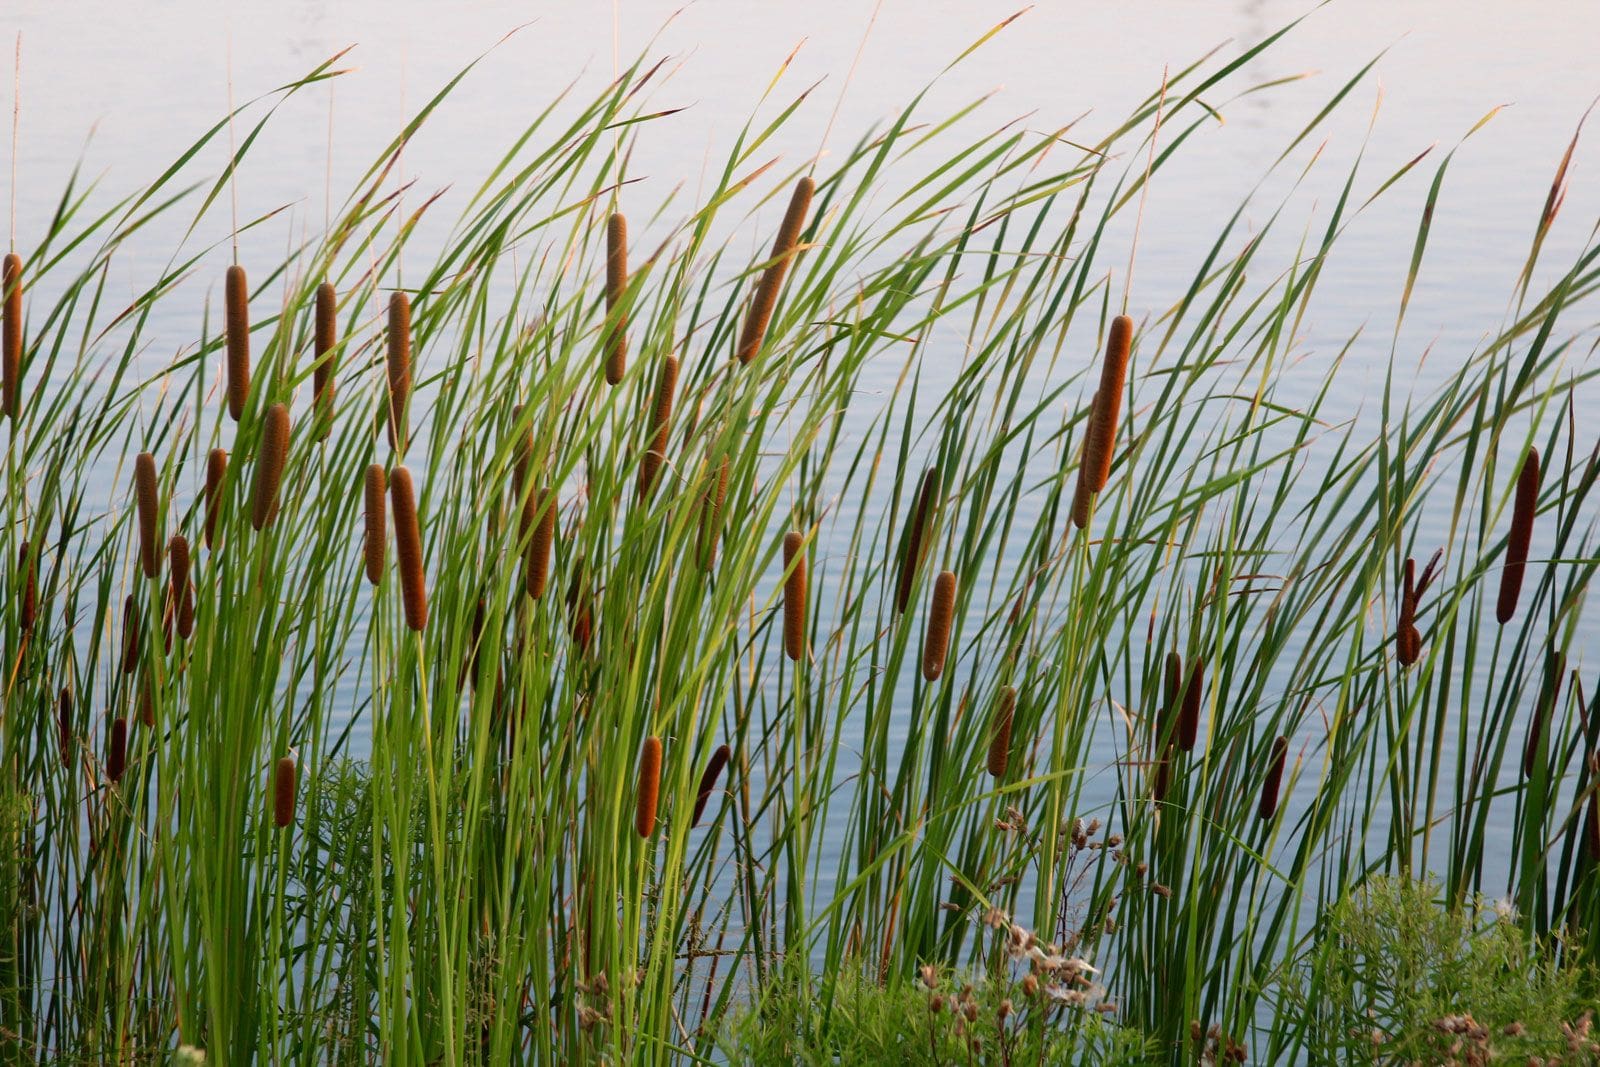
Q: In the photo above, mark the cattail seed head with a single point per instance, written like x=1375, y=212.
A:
x=708, y=782
x=283, y=793
x=1189, y=716
x=660, y=426
x=1408, y=640
x=64, y=725
x=1521, y=536
x=916, y=538
x=936, y=640
x=1100, y=444
x=117, y=756
x=1549, y=697
x=1274, y=780
x=11, y=334
x=180, y=585
x=147, y=699
x=216, y=471
x=399, y=366
x=794, y=595
x=146, y=496
x=616, y=287
x=1000, y=734
x=236, y=298
x=644, y=816
x=711, y=501
x=274, y=450
x=765, y=301
x=29, y=593
x=326, y=360
x=537, y=566
x=408, y=548
x=374, y=485
x=132, y=639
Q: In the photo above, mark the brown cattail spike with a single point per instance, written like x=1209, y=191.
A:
x=916, y=538
x=537, y=568
x=216, y=471
x=326, y=365
x=771, y=284
x=180, y=585
x=660, y=426
x=11, y=334
x=146, y=497
x=283, y=793
x=64, y=725
x=616, y=287
x=236, y=298
x=794, y=595
x=147, y=700
x=1274, y=780
x=1408, y=641
x=132, y=639
x=399, y=364
x=29, y=593
x=408, y=548
x=708, y=782
x=1000, y=733
x=936, y=640
x=1099, y=443
x=644, y=815
x=270, y=458
x=1522, y=514
x=1189, y=716
x=374, y=485
x=117, y=757
x=716, y=493
x=1549, y=697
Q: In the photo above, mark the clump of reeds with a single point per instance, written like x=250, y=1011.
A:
x=536, y=569
x=325, y=367
x=1549, y=697
x=64, y=725
x=408, y=548
x=660, y=426
x=916, y=538
x=794, y=595
x=616, y=288
x=1099, y=444
x=131, y=637
x=711, y=501
x=11, y=334
x=936, y=639
x=180, y=585
x=117, y=756
x=399, y=368
x=1274, y=780
x=216, y=471
x=1189, y=715
x=146, y=498
x=644, y=814
x=374, y=485
x=1000, y=733
x=236, y=300
x=283, y=787
x=270, y=458
x=29, y=593
x=771, y=284
x=1522, y=514
x=708, y=781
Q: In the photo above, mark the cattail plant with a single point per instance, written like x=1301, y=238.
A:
x=765, y=301
x=616, y=287
x=408, y=548
x=536, y=568
x=117, y=756
x=269, y=467
x=374, y=485
x=1189, y=716
x=11, y=334
x=216, y=471
x=146, y=500
x=1522, y=514
x=132, y=639
x=794, y=595
x=180, y=586
x=644, y=815
x=708, y=782
x=236, y=299
x=1000, y=733
x=283, y=793
x=28, y=609
x=660, y=426
x=711, y=501
x=1549, y=697
x=1099, y=444
x=64, y=725
x=916, y=538
x=1274, y=780
x=399, y=366
x=326, y=365
x=936, y=639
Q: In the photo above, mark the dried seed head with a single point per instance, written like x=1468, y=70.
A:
x=644, y=816
x=374, y=485
x=180, y=584
x=1000, y=734
x=616, y=287
x=408, y=548
x=132, y=639
x=1189, y=716
x=771, y=284
x=1521, y=536
x=936, y=640
x=326, y=365
x=1100, y=444
x=708, y=782
x=146, y=496
x=11, y=334
x=216, y=471
x=660, y=426
x=117, y=756
x=274, y=450
x=1269, y=788
x=537, y=565
x=283, y=793
x=916, y=538
x=711, y=501
x=64, y=725
x=794, y=595
x=29, y=593
x=399, y=366
x=236, y=296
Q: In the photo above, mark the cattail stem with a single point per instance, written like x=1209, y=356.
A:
x=374, y=485
x=616, y=288
x=236, y=298
x=216, y=471
x=283, y=788
x=408, y=548
x=794, y=595
x=708, y=782
x=644, y=815
x=399, y=366
x=1000, y=733
x=771, y=284
x=1274, y=780
x=916, y=538
x=1189, y=716
x=1099, y=443
x=1521, y=536
x=660, y=426
x=537, y=566
x=936, y=640
x=274, y=451
x=180, y=585
x=117, y=756
x=326, y=366
x=146, y=496
x=11, y=334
